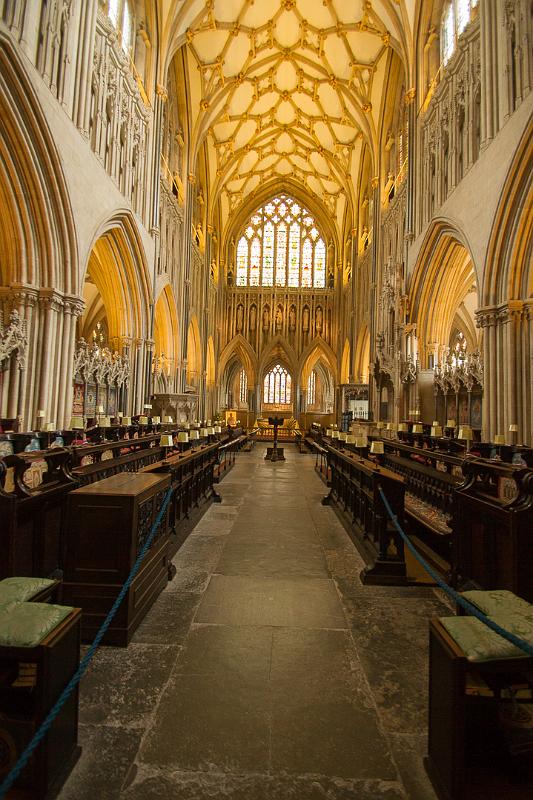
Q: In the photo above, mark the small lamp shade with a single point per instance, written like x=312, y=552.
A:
x=513, y=428
x=342, y=436
x=208, y=423
x=361, y=441
x=450, y=423
x=329, y=432
x=210, y=430
x=148, y=406
x=403, y=427
x=105, y=422
x=193, y=435
x=156, y=420
x=203, y=432
x=183, y=437
x=388, y=426
x=50, y=426
x=77, y=422
x=218, y=429
x=335, y=434
x=166, y=440
x=195, y=424
x=120, y=414
x=499, y=438
x=436, y=430
x=168, y=420
x=434, y=423
x=417, y=428
x=143, y=420
x=126, y=420
x=465, y=432
x=350, y=439
x=380, y=425
x=100, y=410
x=377, y=448
x=41, y=413
x=393, y=427
x=187, y=426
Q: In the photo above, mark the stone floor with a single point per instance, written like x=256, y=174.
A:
x=265, y=670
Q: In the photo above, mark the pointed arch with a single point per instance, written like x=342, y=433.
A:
x=117, y=266
x=345, y=363
x=317, y=350
x=240, y=348
x=194, y=353
x=278, y=350
x=362, y=355
x=509, y=264
x=210, y=368
x=443, y=277
x=37, y=239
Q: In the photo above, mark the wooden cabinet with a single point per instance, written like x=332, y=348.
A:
x=467, y=755
x=31, y=680
x=108, y=523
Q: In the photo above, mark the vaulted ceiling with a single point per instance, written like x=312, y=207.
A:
x=288, y=88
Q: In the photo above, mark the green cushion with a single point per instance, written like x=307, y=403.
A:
x=27, y=624
x=500, y=601
x=21, y=589
x=480, y=643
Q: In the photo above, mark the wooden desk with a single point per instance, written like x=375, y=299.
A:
x=24, y=708
x=465, y=759
x=107, y=525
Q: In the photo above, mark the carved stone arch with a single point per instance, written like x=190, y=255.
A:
x=267, y=192
x=508, y=271
x=443, y=277
x=240, y=347
x=278, y=350
x=37, y=231
x=117, y=263
x=166, y=336
x=315, y=350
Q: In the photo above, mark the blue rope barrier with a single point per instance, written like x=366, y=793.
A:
x=527, y=647
x=24, y=757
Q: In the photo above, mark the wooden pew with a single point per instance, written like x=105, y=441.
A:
x=355, y=484
x=493, y=528
x=33, y=489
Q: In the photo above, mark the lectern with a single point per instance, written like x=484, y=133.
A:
x=275, y=453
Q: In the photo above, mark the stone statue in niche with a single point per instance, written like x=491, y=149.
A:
x=240, y=313
x=305, y=320
x=318, y=320
x=279, y=318
x=266, y=318
x=292, y=319
x=253, y=316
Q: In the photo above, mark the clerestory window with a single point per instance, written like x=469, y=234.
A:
x=281, y=245
x=120, y=14
x=455, y=18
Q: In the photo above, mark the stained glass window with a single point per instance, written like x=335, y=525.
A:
x=456, y=16
x=277, y=386
x=294, y=255
x=243, y=386
x=242, y=262
x=281, y=255
x=268, y=255
x=255, y=261
x=307, y=263
x=311, y=389
x=320, y=264
x=285, y=247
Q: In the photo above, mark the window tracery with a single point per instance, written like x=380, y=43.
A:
x=311, y=388
x=455, y=18
x=277, y=386
x=119, y=12
x=243, y=386
x=281, y=245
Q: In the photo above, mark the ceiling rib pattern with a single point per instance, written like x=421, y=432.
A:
x=288, y=88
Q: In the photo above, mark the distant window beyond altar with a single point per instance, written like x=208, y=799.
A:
x=277, y=386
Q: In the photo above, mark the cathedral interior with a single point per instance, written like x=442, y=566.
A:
x=265, y=271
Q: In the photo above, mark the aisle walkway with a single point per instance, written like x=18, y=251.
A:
x=265, y=671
